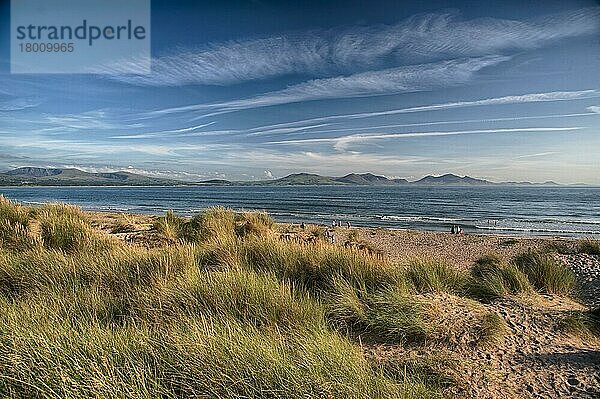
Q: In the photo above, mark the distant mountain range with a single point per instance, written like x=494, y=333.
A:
x=352, y=179
x=74, y=177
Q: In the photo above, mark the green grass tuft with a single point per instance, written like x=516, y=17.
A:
x=390, y=315
x=546, y=274
x=432, y=276
x=169, y=226
x=14, y=226
x=492, y=329
x=583, y=324
x=590, y=247
x=315, y=267
x=492, y=278
x=66, y=232
x=561, y=247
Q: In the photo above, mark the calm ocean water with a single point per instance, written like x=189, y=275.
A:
x=564, y=211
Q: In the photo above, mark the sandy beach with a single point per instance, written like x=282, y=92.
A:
x=398, y=245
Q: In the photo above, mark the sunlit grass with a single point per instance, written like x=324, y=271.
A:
x=224, y=308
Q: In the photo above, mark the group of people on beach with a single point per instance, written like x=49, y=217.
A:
x=330, y=232
x=456, y=230
x=338, y=223
x=334, y=224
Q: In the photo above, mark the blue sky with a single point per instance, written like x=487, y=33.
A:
x=258, y=89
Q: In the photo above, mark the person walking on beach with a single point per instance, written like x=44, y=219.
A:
x=348, y=224
x=452, y=230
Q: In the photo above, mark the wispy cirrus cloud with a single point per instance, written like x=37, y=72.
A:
x=186, y=132
x=334, y=52
x=55, y=124
x=433, y=123
x=165, y=133
x=341, y=143
x=312, y=124
x=387, y=81
x=18, y=104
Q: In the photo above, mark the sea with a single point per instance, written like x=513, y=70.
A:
x=533, y=211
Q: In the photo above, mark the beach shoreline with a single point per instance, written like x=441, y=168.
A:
x=398, y=245
x=507, y=211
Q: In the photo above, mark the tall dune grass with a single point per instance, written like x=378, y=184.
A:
x=492, y=278
x=14, y=226
x=590, y=247
x=545, y=273
x=432, y=276
x=214, y=223
x=82, y=315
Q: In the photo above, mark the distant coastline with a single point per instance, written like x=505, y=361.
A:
x=71, y=177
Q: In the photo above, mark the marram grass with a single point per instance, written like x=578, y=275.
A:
x=223, y=309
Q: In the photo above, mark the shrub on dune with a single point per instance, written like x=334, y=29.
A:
x=492, y=329
x=65, y=227
x=13, y=212
x=123, y=224
x=216, y=223
x=394, y=315
x=260, y=300
x=66, y=233
x=254, y=224
x=60, y=209
x=585, y=324
x=222, y=253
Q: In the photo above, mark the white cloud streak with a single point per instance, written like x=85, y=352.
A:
x=525, y=98
x=513, y=99
x=165, y=133
x=448, y=122
x=539, y=154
